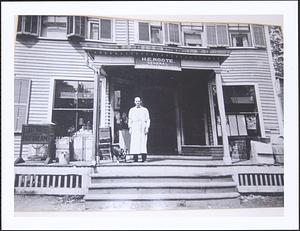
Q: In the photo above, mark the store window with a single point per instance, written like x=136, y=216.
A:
x=239, y=35
x=21, y=102
x=73, y=107
x=242, y=118
x=192, y=34
x=100, y=29
x=54, y=26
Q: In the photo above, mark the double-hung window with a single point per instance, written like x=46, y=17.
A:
x=73, y=106
x=150, y=32
x=239, y=35
x=100, y=29
x=172, y=33
x=217, y=35
x=54, y=26
x=192, y=34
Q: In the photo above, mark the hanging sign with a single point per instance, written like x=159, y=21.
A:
x=146, y=62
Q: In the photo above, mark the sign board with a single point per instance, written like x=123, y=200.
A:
x=37, y=134
x=146, y=62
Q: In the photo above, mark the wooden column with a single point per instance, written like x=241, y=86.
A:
x=212, y=114
x=95, y=115
x=221, y=107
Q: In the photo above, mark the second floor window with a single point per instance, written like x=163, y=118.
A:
x=100, y=29
x=239, y=35
x=192, y=34
x=54, y=26
x=150, y=32
x=172, y=33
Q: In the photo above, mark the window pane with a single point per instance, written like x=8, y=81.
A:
x=34, y=24
x=240, y=40
x=105, y=28
x=70, y=123
x=77, y=25
x=54, y=26
x=27, y=23
x=19, y=29
x=192, y=39
x=94, y=31
x=66, y=94
x=156, y=35
x=70, y=24
x=144, y=31
x=82, y=32
x=85, y=94
x=174, y=33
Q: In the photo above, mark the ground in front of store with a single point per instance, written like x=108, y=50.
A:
x=42, y=203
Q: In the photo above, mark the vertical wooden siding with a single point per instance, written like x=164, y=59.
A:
x=42, y=61
x=251, y=66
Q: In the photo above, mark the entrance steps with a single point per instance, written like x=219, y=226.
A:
x=154, y=187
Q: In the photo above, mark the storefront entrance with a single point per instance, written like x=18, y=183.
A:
x=177, y=104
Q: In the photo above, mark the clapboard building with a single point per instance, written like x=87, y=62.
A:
x=209, y=87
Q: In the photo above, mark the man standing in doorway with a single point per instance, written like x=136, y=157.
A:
x=138, y=124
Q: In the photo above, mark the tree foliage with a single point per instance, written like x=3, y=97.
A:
x=276, y=39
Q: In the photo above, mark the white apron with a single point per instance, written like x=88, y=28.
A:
x=138, y=121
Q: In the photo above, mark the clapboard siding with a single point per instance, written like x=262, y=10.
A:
x=131, y=30
x=40, y=62
x=244, y=66
x=121, y=31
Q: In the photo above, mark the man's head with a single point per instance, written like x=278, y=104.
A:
x=137, y=101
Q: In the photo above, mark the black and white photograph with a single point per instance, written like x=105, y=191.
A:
x=110, y=115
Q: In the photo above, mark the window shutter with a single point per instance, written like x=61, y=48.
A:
x=258, y=36
x=211, y=35
x=21, y=101
x=144, y=31
x=222, y=37
x=105, y=29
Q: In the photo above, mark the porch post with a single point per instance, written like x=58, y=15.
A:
x=95, y=115
x=220, y=98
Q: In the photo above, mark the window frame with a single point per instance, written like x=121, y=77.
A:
x=166, y=29
x=253, y=37
x=149, y=41
x=22, y=24
x=73, y=33
x=237, y=32
x=98, y=21
x=215, y=25
x=41, y=25
x=24, y=104
x=191, y=32
x=258, y=102
x=52, y=107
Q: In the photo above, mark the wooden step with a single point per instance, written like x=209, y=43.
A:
x=159, y=196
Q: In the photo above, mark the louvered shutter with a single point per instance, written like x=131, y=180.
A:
x=222, y=36
x=211, y=35
x=258, y=36
x=21, y=101
x=144, y=31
